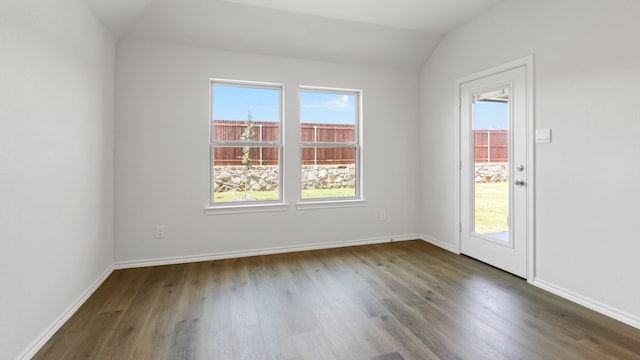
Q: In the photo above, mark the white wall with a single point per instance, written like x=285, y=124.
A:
x=587, y=73
x=162, y=153
x=56, y=163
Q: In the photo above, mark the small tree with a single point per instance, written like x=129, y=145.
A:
x=247, y=152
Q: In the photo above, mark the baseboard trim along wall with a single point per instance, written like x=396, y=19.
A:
x=596, y=306
x=59, y=322
x=440, y=244
x=258, y=252
x=606, y=310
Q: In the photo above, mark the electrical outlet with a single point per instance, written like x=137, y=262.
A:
x=160, y=232
x=382, y=216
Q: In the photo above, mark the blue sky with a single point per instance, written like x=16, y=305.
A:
x=326, y=108
x=234, y=103
x=491, y=115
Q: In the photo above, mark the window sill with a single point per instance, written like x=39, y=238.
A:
x=242, y=208
x=329, y=204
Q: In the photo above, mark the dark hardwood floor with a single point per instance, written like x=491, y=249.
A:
x=403, y=300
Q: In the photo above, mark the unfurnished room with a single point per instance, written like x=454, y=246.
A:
x=339, y=179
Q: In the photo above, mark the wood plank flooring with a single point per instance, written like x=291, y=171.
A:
x=394, y=301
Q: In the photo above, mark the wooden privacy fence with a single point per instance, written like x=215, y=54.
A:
x=490, y=145
x=229, y=130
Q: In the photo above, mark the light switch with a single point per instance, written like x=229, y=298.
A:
x=543, y=136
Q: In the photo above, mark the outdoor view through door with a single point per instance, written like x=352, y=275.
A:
x=494, y=172
x=491, y=157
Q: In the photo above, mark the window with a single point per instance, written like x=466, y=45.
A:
x=330, y=144
x=246, y=142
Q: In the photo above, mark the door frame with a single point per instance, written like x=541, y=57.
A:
x=528, y=63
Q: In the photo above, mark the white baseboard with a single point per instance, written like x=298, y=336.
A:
x=64, y=317
x=57, y=324
x=440, y=244
x=258, y=252
x=607, y=310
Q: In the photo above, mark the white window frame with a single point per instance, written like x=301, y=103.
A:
x=253, y=205
x=332, y=202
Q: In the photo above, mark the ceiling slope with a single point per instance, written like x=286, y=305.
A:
x=118, y=15
x=224, y=25
x=393, y=33
x=435, y=16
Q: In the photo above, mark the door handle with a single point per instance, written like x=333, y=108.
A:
x=519, y=182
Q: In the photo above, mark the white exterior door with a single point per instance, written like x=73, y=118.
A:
x=494, y=169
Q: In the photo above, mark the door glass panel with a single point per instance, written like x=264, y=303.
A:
x=491, y=153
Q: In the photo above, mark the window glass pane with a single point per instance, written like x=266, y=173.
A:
x=328, y=117
x=238, y=156
x=245, y=174
x=331, y=156
x=491, y=150
x=246, y=143
x=231, y=130
x=236, y=107
x=333, y=177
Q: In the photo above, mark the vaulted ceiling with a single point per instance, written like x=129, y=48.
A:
x=396, y=33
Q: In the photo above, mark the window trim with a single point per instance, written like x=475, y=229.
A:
x=255, y=205
x=331, y=202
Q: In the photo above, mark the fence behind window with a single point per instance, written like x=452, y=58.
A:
x=490, y=145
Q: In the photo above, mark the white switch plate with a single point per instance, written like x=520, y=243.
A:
x=543, y=136
x=161, y=232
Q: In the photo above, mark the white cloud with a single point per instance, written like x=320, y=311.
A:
x=338, y=103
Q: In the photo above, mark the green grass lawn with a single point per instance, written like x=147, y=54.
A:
x=273, y=195
x=492, y=200
x=492, y=207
